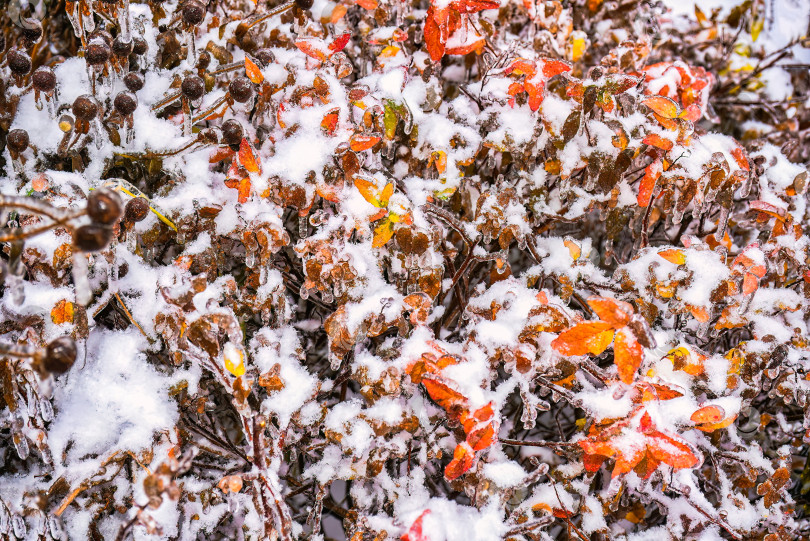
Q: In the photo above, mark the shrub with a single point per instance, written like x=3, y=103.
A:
x=432, y=270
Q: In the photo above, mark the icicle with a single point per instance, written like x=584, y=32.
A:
x=81, y=281
x=21, y=446
x=123, y=20
x=18, y=524
x=45, y=409
x=334, y=361
x=304, y=292
x=250, y=259
x=677, y=214
x=303, y=230
x=326, y=296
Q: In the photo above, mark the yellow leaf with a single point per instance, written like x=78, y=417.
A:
x=662, y=106
x=383, y=233
x=577, y=45
x=62, y=312
x=369, y=191
x=234, y=359
x=573, y=249
x=756, y=28
x=387, y=192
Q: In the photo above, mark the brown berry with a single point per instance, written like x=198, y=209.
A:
x=304, y=4
x=133, y=81
x=193, y=87
x=44, y=79
x=17, y=140
x=209, y=136
x=241, y=89
x=19, y=62
x=122, y=48
x=232, y=132
x=136, y=209
x=92, y=237
x=125, y=103
x=104, y=206
x=85, y=108
x=203, y=60
x=60, y=355
x=97, y=52
x=193, y=13
x=139, y=46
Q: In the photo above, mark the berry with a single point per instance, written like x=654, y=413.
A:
x=241, y=89
x=92, y=237
x=122, y=48
x=133, y=81
x=60, y=355
x=85, y=108
x=193, y=13
x=32, y=32
x=125, y=103
x=97, y=52
x=19, y=62
x=17, y=140
x=44, y=79
x=104, y=206
x=232, y=132
x=193, y=87
x=139, y=46
x=136, y=209
x=304, y=4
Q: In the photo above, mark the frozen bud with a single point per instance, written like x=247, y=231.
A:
x=17, y=140
x=232, y=132
x=18, y=62
x=66, y=123
x=136, y=209
x=85, y=108
x=125, y=103
x=97, y=52
x=133, y=81
x=104, y=206
x=304, y=4
x=92, y=237
x=241, y=89
x=121, y=47
x=60, y=355
x=32, y=32
x=265, y=57
x=193, y=87
x=193, y=13
x=204, y=60
x=139, y=46
x=209, y=136
x=44, y=79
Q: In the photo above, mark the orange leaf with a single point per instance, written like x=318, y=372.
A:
x=750, y=284
x=692, y=113
x=436, y=31
x=367, y=4
x=673, y=255
x=647, y=184
x=711, y=427
x=627, y=354
x=443, y=395
x=708, y=414
x=463, y=458
x=653, y=391
x=62, y=312
x=362, y=141
x=555, y=67
x=593, y=462
x=241, y=185
x=616, y=313
x=253, y=72
x=671, y=451
x=330, y=121
x=573, y=249
x=481, y=438
x=589, y=337
x=662, y=106
x=383, y=233
x=653, y=139
x=739, y=156
x=368, y=190
x=247, y=158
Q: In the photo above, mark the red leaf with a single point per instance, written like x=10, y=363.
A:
x=247, y=157
x=481, y=438
x=593, y=462
x=436, y=32
x=555, y=67
x=474, y=6
x=330, y=121
x=647, y=184
x=339, y=42
x=671, y=451
x=463, y=458
x=241, y=185
x=655, y=140
x=414, y=533
x=443, y=395
x=627, y=354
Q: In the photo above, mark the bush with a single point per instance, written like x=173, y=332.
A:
x=432, y=270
